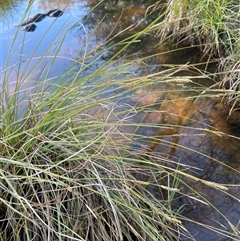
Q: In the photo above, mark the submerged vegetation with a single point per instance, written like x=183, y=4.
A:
x=75, y=164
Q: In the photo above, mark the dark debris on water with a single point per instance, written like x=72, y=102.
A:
x=29, y=23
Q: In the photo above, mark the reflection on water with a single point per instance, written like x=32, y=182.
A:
x=30, y=55
x=184, y=129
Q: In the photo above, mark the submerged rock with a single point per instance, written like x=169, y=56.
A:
x=191, y=136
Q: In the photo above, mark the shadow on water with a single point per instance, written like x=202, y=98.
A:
x=187, y=129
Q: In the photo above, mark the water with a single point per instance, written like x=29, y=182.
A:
x=198, y=135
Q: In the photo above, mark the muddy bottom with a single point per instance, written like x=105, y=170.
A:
x=194, y=136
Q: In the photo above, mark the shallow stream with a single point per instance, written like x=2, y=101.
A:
x=198, y=135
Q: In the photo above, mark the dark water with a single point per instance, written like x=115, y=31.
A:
x=197, y=135
x=192, y=143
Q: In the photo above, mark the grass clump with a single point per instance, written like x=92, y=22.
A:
x=69, y=169
x=66, y=171
x=230, y=84
x=209, y=25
